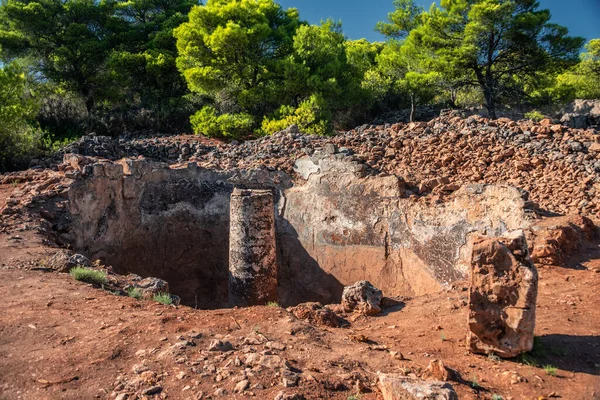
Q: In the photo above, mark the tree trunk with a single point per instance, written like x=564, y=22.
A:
x=412, y=106
x=490, y=102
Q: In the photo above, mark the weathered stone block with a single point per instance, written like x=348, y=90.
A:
x=502, y=296
x=252, y=254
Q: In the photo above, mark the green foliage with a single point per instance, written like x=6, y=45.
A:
x=88, y=275
x=70, y=39
x=406, y=17
x=209, y=123
x=550, y=370
x=19, y=137
x=163, y=298
x=135, y=293
x=234, y=52
x=311, y=116
x=535, y=116
x=497, y=397
x=273, y=304
x=117, y=57
x=489, y=43
x=582, y=81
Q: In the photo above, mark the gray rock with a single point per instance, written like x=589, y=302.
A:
x=64, y=260
x=362, y=297
x=151, y=286
x=217, y=345
x=401, y=387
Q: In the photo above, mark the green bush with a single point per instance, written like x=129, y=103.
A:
x=89, y=275
x=135, y=293
x=311, y=116
x=20, y=139
x=164, y=298
x=535, y=116
x=209, y=123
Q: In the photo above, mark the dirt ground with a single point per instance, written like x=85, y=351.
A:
x=63, y=339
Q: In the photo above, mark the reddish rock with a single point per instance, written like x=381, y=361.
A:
x=502, y=296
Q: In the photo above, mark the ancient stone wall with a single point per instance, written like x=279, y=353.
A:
x=349, y=228
x=334, y=228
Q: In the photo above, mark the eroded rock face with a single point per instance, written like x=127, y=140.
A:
x=502, y=296
x=362, y=297
x=340, y=226
x=400, y=387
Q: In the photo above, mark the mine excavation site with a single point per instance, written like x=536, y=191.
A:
x=456, y=258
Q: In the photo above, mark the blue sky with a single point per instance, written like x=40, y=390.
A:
x=359, y=17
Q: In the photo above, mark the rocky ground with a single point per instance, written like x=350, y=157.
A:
x=60, y=338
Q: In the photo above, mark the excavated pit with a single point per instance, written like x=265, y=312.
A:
x=332, y=228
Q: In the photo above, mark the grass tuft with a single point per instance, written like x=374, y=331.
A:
x=164, y=298
x=550, y=370
x=497, y=397
x=88, y=275
x=135, y=293
x=494, y=357
x=272, y=304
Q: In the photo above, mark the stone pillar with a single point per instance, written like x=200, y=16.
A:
x=502, y=296
x=252, y=254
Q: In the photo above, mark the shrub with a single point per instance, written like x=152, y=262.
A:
x=20, y=139
x=311, y=116
x=88, y=275
x=136, y=293
x=535, y=116
x=207, y=122
x=163, y=298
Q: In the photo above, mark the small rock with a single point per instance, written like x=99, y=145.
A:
x=217, y=345
x=400, y=387
x=362, y=297
x=241, y=386
x=153, y=390
x=283, y=396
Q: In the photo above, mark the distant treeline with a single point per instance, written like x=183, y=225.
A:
x=232, y=68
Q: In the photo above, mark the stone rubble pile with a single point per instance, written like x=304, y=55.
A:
x=558, y=166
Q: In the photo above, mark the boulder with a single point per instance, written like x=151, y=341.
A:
x=362, y=297
x=64, y=260
x=152, y=286
x=401, y=387
x=502, y=296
